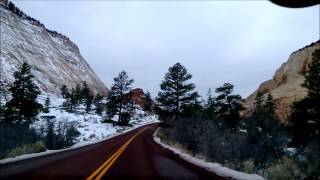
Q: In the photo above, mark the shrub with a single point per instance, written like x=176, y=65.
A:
x=37, y=147
x=15, y=135
x=285, y=169
x=61, y=135
x=248, y=166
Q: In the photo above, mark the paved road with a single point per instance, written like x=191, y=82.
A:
x=133, y=155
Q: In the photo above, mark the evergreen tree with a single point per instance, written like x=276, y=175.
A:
x=23, y=104
x=228, y=105
x=73, y=99
x=269, y=107
x=77, y=94
x=305, y=118
x=258, y=102
x=312, y=77
x=98, y=104
x=88, y=103
x=176, y=95
x=85, y=91
x=209, y=106
x=46, y=105
x=265, y=135
x=64, y=91
x=149, y=102
x=118, y=102
x=11, y=7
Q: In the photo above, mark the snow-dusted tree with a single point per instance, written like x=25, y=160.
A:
x=98, y=104
x=24, y=91
x=88, y=102
x=64, y=91
x=118, y=103
x=46, y=105
x=176, y=95
x=77, y=93
x=85, y=91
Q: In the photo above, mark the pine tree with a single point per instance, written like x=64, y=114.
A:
x=228, y=105
x=258, y=102
x=85, y=91
x=64, y=91
x=149, y=102
x=118, y=102
x=73, y=100
x=176, y=95
x=77, y=94
x=98, y=104
x=46, y=105
x=305, y=118
x=11, y=7
x=269, y=107
x=88, y=103
x=209, y=106
x=23, y=104
x=312, y=77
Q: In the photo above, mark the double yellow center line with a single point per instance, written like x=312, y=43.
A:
x=98, y=173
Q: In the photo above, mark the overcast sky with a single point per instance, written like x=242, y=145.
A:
x=218, y=41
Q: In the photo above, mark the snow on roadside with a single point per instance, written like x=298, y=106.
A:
x=212, y=167
x=75, y=146
x=90, y=126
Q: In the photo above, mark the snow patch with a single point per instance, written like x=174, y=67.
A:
x=90, y=126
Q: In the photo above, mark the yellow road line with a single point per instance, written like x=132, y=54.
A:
x=104, y=164
x=110, y=164
x=107, y=164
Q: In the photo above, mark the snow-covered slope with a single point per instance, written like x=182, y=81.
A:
x=55, y=60
x=90, y=124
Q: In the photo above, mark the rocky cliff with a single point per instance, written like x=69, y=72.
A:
x=285, y=86
x=54, y=58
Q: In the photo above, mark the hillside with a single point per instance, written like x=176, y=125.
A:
x=54, y=58
x=285, y=86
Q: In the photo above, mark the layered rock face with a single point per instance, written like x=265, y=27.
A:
x=138, y=97
x=55, y=60
x=285, y=86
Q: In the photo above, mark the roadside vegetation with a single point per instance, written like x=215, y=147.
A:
x=20, y=111
x=259, y=143
x=212, y=128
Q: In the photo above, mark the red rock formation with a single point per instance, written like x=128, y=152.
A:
x=285, y=86
x=140, y=98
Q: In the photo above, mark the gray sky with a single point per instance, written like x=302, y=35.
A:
x=218, y=41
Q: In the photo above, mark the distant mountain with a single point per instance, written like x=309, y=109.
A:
x=285, y=86
x=54, y=58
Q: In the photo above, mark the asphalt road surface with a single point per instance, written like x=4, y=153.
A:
x=133, y=155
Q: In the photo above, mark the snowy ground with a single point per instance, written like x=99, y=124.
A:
x=212, y=167
x=89, y=125
x=91, y=129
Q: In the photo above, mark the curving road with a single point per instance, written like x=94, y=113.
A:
x=133, y=155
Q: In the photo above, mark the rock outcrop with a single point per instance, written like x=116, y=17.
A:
x=138, y=97
x=285, y=86
x=54, y=58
